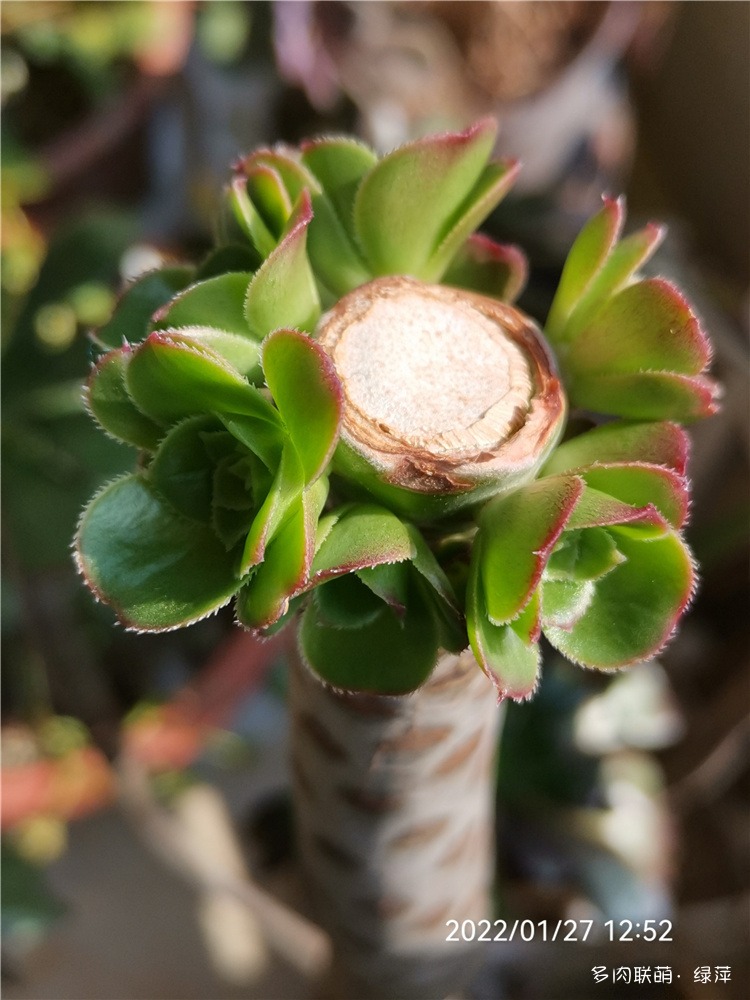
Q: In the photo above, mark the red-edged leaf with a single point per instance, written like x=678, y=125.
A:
x=586, y=258
x=158, y=570
x=639, y=485
x=490, y=268
x=282, y=498
x=285, y=568
x=518, y=532
x=283, y=291
x=646, y=395
x=635, y=608
x=511, y=660
x=658, y=443
x=596, y=509
x=108, y=401
x=648, y=326
x=409, y=198
x=365, y=535
x=172, y=375
x=307, y=391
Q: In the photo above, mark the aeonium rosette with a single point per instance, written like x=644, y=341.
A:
x=342, y=411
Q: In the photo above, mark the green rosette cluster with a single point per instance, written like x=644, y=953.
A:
x=214, y=375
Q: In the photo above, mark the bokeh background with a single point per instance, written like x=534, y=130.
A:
x=144, y=778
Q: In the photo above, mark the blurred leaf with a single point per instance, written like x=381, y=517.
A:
x=490, y=268
x=130, y=322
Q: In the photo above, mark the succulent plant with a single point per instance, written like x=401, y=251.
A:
x=340, y=411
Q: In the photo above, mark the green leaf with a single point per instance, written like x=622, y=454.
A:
x=491, y=187
x=264, y=600
x=384, y=656
x=240, y=353
x=182, y=471
x=339, y=164
x=583, y=555
x=408, y=200
x=268, y=194
x=217, y=303
x=231, y=257
x=308, y=394
x=248, y=218
x=509, y=660
x=645, y=395
x=283, y=497
x=264, y=439
x=658, y=443
x=132, y=316
x=518, y=532
x=346, y=602
x=623, y=262
x=283, y=291
x=647, y=326
x=495, y=269
x=564, y=601
x=158, y=571
x=640, y=485
x=389, y=582
x=365, y=535
x=597, y=509
x=586, y=258
x=109, y=403
x=634, y=609
x=426, y=564
x=171, y=376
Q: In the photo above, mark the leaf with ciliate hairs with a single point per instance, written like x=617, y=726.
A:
x=518, y=531
x=109, y=403
x=365, y=535
x=634, y=609
x=647, y=326
x=660, y=443
x=585, y=260
x=217, y=303
x=387, y=655
x=508, y=654
x=308, y=394
x=172, y=375
x=646, y=395
x=639, y=484
x=283, y=291
x=157, y=569
x=490, y=268
x=418, y=189
x=131, y=319
x=282, y=573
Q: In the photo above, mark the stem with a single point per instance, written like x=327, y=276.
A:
x=395, y=804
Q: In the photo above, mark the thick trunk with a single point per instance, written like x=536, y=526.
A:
x=394, y=801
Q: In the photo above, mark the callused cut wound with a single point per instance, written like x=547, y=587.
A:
x=439, y=379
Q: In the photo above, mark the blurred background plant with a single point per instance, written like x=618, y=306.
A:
x=119, y=124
